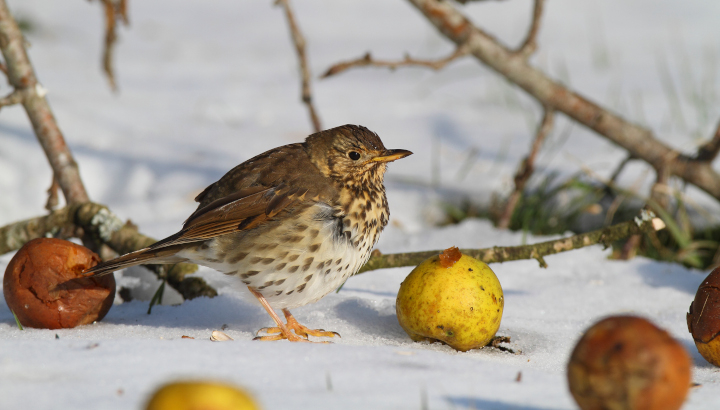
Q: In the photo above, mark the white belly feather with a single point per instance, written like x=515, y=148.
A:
x=282, y=274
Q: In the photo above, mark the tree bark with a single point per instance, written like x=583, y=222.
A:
x=537, y=251
x=97, y=221
x=22, y=77
x=638, y=141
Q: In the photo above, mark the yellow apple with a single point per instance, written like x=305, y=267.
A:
x=200, y=395
x=460, y=305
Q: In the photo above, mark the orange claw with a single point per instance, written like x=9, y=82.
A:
x=282, y=331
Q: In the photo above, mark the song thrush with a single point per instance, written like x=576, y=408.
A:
x=292, y=223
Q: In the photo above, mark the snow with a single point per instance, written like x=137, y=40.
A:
x=206, y=85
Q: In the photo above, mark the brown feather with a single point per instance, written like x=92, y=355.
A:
x=256, y=192
x=220, y=202
x=242, y=210
x=146, y=255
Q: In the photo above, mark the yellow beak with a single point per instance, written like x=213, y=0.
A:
x=391, y=155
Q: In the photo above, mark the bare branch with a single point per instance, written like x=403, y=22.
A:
x=614, y=176
x=53, y=200
x=96, y=220
x=15, y=97
x=530, y=44
x=110, y=38
x=538, y=251
x=660, y=194
x=527, y=167
x=123, y=238
x=3, y=68
x=637, y=140
x=92, y=222
x=629, y=249
x=122, y=10
x=299, y=42
x=114, y=10
x=708, y=151
x=22, y=77
x=367, y=60
x=660, y=191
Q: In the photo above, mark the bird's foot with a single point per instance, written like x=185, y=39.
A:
x=303, y=331
x=275, y=333
x=279, y=335
x=300, y=332
x=282, y=331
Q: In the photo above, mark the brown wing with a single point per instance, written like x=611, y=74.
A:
x=243, y=210
x=246, y=197
x=272, y=168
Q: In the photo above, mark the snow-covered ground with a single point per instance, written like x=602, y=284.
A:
x=206, y=85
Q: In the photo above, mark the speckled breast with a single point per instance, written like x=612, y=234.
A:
x=296, y=260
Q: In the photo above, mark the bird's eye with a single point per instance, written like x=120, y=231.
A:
x=354, y=155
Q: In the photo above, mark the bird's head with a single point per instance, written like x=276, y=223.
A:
x=352, y=155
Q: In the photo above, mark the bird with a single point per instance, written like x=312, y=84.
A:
x=292, y=224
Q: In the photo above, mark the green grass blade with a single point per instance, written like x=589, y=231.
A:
x=17, y=320
x=157, y=297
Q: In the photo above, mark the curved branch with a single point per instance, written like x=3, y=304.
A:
x=22, y=77
x=606, y=236
x=530, y=44
x=638, y=141
x=15, y=97
x=114, y=10
x=408, y=61
x=527, y=167
x=299, y=42
x=708, y=151
x=53, y=200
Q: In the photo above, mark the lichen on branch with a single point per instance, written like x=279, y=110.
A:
x=95, y=220
x=497, y=254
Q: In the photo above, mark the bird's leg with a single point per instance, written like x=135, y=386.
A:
x=294, y=325
x=303, y=331
x=285, y=333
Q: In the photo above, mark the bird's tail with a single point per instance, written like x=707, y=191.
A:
x=142, y=256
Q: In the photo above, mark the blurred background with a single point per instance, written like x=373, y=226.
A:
x=204, y=86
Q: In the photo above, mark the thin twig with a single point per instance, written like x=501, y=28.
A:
x=22, y=77
x=80, y=218
x=660, y=192
x=408, y=61
x=637, y=140
x=538, y=251
x=629, y=249
x=613, y=208
x=110, y=38
x=53, y=200
x=114, y=10
x=530, y=44
x=614, y=176
x=621, y=196
x=526, y=168
x=299, y=42
x=708, y=151
x=15, y=97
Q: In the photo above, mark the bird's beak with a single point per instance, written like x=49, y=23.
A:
x=391, y=155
